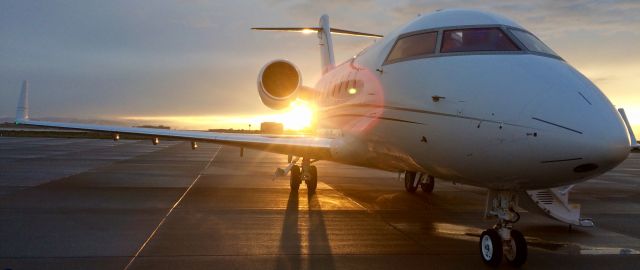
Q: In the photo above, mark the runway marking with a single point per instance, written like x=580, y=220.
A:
x=153, y=233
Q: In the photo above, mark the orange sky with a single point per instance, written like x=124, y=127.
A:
x=194, y=63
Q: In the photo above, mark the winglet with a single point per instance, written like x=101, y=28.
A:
x=634, y=142
x=22, y=112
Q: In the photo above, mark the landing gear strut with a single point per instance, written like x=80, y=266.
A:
x=411, y=182
x=307, y=173
x=502, y=239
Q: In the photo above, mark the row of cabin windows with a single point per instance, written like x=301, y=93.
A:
x=464, y=40
x=346, y=88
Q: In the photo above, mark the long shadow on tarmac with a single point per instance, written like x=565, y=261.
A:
x=319, y=254
x=318, y=239
x=290, y=245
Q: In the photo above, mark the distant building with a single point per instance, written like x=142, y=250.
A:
x=154, y=126
x=271, y=128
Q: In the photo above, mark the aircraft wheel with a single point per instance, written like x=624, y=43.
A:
x=294, y=180
x=516, y=254
x=410, y=182
x=427, y=187
x=491, y=247
x=312, y=183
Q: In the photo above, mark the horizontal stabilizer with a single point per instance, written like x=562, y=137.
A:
x=317, y=29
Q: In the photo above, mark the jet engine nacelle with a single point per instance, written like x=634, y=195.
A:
x=279, y=83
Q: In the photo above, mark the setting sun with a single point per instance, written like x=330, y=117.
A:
x=298, y=116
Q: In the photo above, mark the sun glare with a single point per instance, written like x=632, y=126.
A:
x=308, y=31
x=298, y=116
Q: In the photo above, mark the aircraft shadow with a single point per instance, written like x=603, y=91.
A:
x=292, y=241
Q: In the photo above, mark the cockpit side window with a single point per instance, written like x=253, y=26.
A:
x=532, y=42
x=476, y=39
x=412, y=46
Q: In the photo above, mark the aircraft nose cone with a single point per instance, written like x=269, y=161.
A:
x=582, y=131
x=607, y=139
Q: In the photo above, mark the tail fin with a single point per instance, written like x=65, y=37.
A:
x=324, y=36
x=326, y=45
x=22, y=112
x=634, y=142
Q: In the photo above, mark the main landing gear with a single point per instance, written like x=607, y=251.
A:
x=502, y=239
x=307, y=173
x=411, y=182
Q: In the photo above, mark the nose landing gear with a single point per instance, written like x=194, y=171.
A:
x=502, y=239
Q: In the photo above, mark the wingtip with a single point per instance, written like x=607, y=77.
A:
x=22, y=111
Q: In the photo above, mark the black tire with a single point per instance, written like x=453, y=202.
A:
x=312, y=183
x=409, y=182
x=491, y=247
x=294, y=180
x=518, y=254
x=429, y=185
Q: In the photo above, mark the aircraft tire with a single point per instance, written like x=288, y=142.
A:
x=312, y=183
x=491, y=247
x=409, y=182
x=518, y=254
x=429, y=185
x=294, y=179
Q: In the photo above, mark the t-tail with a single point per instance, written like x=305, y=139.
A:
x=324, y=32
x=22, y=111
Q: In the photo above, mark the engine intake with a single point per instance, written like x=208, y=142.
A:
x=278, y=83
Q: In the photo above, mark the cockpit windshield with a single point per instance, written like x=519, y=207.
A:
x=476, y=39
x=532, y=42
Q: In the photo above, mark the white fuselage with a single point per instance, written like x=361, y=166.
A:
x=500, y=120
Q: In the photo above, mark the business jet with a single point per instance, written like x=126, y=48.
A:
x=459, y=95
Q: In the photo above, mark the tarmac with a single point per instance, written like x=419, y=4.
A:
x=100, y=204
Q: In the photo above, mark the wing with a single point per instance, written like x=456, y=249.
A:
x=307, y=146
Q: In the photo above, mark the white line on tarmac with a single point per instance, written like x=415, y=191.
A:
x=153, y=233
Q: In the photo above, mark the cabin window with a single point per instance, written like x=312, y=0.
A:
x=412, y=46
x=532, y=42
x=476, y=39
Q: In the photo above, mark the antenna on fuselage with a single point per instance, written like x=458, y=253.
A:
x=324, y=32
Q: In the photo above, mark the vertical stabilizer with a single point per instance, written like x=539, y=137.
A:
x=22, y=112
x=324, y=35
x=634, y=143
x=326, y=44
